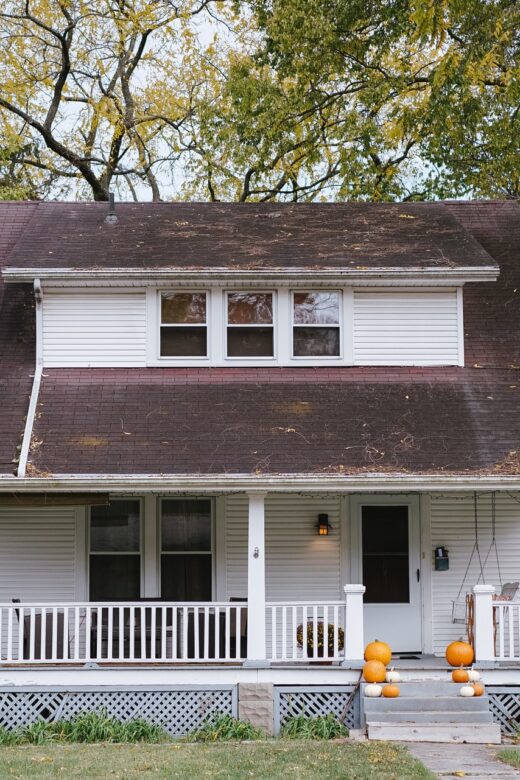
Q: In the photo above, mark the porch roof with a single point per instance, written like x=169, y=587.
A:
x=277, y=421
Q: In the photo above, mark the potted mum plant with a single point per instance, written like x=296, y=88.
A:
x=317, y=638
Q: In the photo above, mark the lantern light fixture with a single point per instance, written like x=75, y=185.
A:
x=323, y=526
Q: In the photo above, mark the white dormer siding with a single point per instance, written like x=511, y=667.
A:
x=366, y=326
x=94, y=328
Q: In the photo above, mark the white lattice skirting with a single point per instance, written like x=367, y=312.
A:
x=315, y=701
x=179, y=711
x=504, y=703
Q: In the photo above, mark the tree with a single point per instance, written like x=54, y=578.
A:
x=97, y=91
x=368, y=99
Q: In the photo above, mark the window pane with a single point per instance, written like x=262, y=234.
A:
x=115, y=528
x=184, y=342
x=115, y=577
x=385, y=554
x=186, y=577
x=250, y=308
x=250, y=342
x=186, y=525
x=316, y=308
x=183, y=308
x=315, y=342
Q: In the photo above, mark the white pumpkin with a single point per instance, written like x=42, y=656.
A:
x=473, y=675
x=467, y=690
x=373, y=690
x=392, y=676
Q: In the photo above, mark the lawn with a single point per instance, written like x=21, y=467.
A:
x=510, y=756
x=259, y=760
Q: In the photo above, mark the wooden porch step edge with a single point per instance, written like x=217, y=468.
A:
x=474, y=733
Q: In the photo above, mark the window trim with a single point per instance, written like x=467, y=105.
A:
x=180, y=359
x=274, y=325
x=339, y=325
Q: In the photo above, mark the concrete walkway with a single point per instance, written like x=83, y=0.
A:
x=477, y=762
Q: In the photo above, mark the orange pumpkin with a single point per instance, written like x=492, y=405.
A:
x=378, y=651
x=391, y=691
x=374, y=672
x=459, y=654
x=460, y=675
x=477, y=687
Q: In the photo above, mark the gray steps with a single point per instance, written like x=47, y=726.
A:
x=430, y=711
x=475, y=733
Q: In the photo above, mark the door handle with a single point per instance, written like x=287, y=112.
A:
x=418, y=575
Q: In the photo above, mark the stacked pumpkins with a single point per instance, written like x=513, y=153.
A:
x=377, y=657
x=460, y=654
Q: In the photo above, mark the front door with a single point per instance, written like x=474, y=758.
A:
x=389, y=566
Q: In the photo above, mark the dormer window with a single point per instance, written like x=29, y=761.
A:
x=316, y=324
x=183, y=324
x=250, y=325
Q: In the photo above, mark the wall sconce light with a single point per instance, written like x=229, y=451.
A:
x=323, y=526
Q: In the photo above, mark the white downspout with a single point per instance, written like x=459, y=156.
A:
x=29, y=421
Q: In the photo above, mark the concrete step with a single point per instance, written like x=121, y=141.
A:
x=420, y=704
x=431, y=716
x=427, y=688
x=476, y=733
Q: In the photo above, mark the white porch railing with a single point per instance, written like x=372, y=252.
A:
x=310, y=631
x=506, y=620
x=122, y=632
x=497, y=626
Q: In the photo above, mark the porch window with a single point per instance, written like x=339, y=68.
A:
x=250, y=325
x=183, y=324
x=186, y=550
x=316, y=324
x=115, y=555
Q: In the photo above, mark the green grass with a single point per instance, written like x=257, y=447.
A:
x=510, y=756
x=90, y=727
x=323, y=727
x=224, y=728
x=265, y=760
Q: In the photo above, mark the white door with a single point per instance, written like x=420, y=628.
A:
x=387, y=560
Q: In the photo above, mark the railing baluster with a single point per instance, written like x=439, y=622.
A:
x=294, y=628
x=131, y=634
x=163, y=633
x=32, y=632
x=76, y=633
x=9, y=651
x=110, y=633
x=153, y=632
x=284, y=633
x=206, y=633
x=65, y=633
x=325, y=632
x=184, y=634
x=174, y=633
x=274, y=637
x=227, y=628
x=315, y=632
x=88, y=633
x=501, y=645
x=305, y=640
x=99, y=633
x=21, y=621
x=217, y=633
x=336, y=632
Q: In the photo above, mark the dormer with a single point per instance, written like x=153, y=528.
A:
x=249, y=284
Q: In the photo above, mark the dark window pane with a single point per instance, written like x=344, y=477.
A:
x=385, y=554
x=183, y=342
x=183, y=308
x=250, y=342
x=115, y=527
x=316, y=308
x=186, y=577
x=115, y=577
x=316, y=342
x=186, y=525
x=250, y=308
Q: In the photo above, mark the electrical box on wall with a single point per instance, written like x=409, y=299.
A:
x=442, y=559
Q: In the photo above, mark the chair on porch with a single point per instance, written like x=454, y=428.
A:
x=42, y=652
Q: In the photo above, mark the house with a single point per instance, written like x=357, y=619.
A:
x=226, y=428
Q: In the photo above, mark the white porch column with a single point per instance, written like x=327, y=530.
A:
x=256, y=617
x=484, y=631
x=354, y=628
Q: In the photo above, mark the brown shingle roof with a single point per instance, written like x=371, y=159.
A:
x=257, y=236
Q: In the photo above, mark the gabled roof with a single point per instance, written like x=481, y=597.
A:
x=351, y=238
x=267, y=421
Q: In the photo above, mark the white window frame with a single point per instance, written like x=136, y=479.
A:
x=178, y=360
x=319, y=358
x=251, y=360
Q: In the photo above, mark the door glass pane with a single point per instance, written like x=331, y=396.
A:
x=183, y=342
x=186, y=577
x=186, y=525
x=250, y=342
x=385, y=546
x=115, y=528
x=183, y=308
x=316, y=342
x=316, y=308
x=250, y=308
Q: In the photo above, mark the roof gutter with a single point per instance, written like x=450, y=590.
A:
x=358, y=273
x=35, y=392
x=279, y=483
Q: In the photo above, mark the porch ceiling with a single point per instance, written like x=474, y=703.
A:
x=277, y=421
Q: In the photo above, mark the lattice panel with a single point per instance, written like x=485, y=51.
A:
x=504, y=704
x=177, y=711
x=313, y=702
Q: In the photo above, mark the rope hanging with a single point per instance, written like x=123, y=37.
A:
x=494, y=538
x=476, y=549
